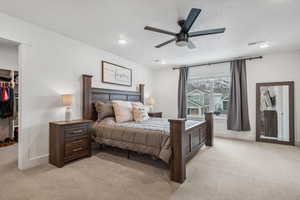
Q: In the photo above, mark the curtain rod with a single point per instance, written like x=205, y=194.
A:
x=220, y=62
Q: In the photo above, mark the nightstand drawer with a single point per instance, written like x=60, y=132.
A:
x=155, y=114
x=78, y=132
x=76, y=137
x=76, y=145
x=76, y=155
x=74, y=150
x=76, y=126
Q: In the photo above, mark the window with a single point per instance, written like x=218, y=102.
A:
x=208, y=90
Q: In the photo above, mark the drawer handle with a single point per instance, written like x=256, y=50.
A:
x=78, y=131
x=78, y=141
x=78, y=149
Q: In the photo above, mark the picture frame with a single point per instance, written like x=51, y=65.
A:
x=116, y=74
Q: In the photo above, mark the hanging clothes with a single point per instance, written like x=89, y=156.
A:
x=6, y=102
x=4, y=95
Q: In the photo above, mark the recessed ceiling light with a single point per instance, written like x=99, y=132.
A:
x=260, y=44
x=255, y=43
x=122, y=41
x=264, y=45
x=160, y=61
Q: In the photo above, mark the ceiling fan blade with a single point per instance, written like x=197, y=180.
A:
x=165, y=43
x=194, y=13
x=207, y=32
x=149, y=28
x=191, y=45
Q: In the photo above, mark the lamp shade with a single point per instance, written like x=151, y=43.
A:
x=67, y=99
x=150, y=101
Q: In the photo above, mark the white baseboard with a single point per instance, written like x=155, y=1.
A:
x=39, y=160
x=39, y=157
x=245, y=138
x=238, y=136
x=35, y=161
x=235, y=138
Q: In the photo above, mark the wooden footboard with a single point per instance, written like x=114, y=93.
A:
x=186, y=143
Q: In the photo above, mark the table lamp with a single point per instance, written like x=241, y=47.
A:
x=150, y=101
x=67, y=101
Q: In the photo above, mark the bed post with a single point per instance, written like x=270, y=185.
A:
x=210, y=126
x=142, y=91
x=177, y=161
x=87, y=96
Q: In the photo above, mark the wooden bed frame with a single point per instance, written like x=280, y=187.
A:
x=185, y=143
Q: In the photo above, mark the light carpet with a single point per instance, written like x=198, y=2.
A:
x=231, y=170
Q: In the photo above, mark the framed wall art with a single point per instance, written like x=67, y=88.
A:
x=116, y=74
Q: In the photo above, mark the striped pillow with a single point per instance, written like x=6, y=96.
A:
x=139, y=112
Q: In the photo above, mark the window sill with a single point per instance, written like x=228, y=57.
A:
x=221, y=118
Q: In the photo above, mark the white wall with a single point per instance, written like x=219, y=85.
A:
x=8, y=56
x=51, y=65
x=165, y=92
x=272, y=68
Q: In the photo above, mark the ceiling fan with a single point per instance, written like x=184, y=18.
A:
x=182, y=38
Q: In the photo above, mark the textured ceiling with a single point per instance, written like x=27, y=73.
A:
x=101, y=23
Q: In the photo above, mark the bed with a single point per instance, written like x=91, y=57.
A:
x=175, y=141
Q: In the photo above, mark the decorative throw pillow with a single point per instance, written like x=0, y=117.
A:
x=104, y=110
x=139, y=112
x=123, y=111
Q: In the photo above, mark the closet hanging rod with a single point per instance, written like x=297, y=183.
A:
x=221, y=62
x=5, y=83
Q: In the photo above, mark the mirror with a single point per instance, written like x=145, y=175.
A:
x=275, y=112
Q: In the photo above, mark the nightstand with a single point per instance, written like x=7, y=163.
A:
x=155, y=114
x=69, y=141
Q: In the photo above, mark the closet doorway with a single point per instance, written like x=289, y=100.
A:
x=9, y=94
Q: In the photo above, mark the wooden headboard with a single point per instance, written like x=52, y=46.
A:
x=91, y=95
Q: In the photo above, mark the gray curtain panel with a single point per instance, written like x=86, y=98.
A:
x=238, y=114
x=182, y=85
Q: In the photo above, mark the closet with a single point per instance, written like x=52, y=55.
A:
x=9, y=81
x=8, y=107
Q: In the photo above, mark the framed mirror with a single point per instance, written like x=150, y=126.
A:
x=275, y=112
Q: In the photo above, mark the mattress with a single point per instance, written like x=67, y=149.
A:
x=149, y=137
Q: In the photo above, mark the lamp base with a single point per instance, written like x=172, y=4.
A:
x=151, y=108
x=68, y=114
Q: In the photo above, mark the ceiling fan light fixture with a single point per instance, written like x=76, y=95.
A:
x=181, y=43
x=182, y=38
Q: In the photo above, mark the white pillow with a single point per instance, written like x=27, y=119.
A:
x=139, y=112
x=123, y=111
